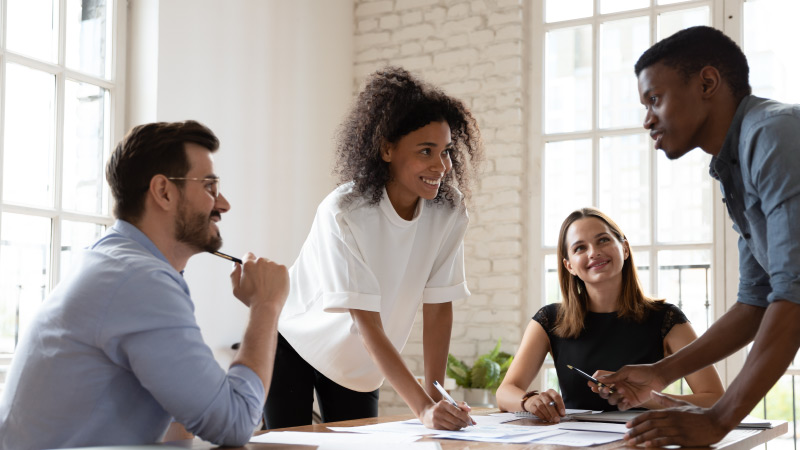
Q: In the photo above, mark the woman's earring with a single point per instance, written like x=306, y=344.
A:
x=578, y=283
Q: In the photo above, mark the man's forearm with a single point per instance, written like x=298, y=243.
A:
x=735, y=329
x=775, y=346
x=257, y=350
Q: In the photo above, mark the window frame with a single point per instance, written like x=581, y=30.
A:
x=723, y=246
x=114, y=84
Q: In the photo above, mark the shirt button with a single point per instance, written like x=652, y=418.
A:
x=724, y=200
x=747, y=235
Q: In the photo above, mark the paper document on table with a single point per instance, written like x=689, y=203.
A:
x=579, y=438
x=384, y=446
x=570, y=413
x=412, y=428
x=532, y=434
x=490, y=431
x=495, y=419
x=619, y=428
x=750, y=422
x=308, y=438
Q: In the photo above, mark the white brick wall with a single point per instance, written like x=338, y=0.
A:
x=473, y=50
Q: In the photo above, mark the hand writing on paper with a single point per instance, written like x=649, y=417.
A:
x=548, y=406
x=443, y=415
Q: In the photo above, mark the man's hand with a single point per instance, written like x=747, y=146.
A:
x=632, y=385
x=444, y=416
x=684, y=424
x=259, y=281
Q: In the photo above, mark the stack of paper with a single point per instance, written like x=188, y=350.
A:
x=493, y=429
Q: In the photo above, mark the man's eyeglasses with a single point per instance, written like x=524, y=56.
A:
x=211, y=184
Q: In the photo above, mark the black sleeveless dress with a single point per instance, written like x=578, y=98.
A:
x=606, y=343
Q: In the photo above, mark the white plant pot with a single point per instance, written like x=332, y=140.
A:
x=479, y=397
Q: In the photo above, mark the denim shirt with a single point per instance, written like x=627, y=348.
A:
x=759, y=171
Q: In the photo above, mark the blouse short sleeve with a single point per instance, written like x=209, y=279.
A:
x=447, y=281
x=331, y=244
x=546, y=316
x=672, y=316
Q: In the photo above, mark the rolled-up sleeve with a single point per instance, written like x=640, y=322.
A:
x=447, y=281
x=783, y=229
x=754, y=283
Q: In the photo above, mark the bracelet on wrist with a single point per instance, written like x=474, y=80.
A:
x=525, y=398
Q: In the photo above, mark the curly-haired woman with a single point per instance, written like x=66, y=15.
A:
x=387, y=239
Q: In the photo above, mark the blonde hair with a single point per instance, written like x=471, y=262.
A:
x=633, y=304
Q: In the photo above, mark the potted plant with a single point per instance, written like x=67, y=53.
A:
x=482, y=379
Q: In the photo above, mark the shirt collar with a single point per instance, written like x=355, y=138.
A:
x=729, y=153
x=391, y=214
x=130, y=231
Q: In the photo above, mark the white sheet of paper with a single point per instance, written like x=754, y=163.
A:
x=406, y=427
x=619, y=428
x=514, y=439
x=574, y=438
x=308, y=438
x=384, y=446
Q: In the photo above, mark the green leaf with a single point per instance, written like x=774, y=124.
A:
x=484, y=374
x=457, y=370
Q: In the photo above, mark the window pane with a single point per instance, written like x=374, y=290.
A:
x=642, y=261
x=567, y=183
x=557, y=10
x=551, y=285
x=551, y=377
x=684, y=199
x=568, y=80
x=88, y=46
x=75, y=236
x=612, y=6
x=621, y=44
x=684, y=279
x=29, y=136
x=774, y=66
x=625, y=184
x=33, y=28
x=671, y=22
x=85, y=134
x=24, y=273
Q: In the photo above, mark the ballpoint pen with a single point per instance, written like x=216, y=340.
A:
x=590, y=378
x=447, y=396
x=228, y=257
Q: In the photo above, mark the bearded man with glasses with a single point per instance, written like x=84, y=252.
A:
x=115, y=352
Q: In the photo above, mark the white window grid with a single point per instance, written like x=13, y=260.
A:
x=538, y=138
x=114, y=126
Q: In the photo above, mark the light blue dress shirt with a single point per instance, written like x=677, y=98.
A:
x=115, y=352
x=759, y=170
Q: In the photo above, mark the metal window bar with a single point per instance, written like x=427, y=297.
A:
x=680, y=268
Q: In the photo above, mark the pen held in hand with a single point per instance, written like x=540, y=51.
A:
x=228, y=257
x=446, y=396
x=591, y=378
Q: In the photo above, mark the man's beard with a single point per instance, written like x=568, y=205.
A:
x=192, y=229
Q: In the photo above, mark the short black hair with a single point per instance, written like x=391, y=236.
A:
x=691, y=49
x=149, y=150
